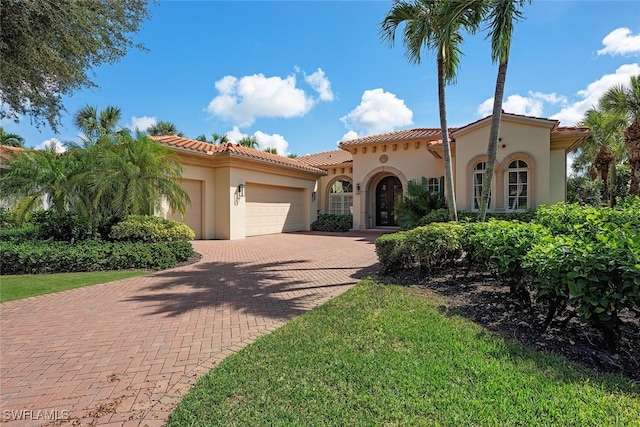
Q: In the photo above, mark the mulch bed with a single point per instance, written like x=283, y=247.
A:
x=480, y=298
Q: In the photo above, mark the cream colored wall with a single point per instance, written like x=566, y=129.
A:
x=207, y=176
x=223, y=200
x=408, y=164
x=558, y=177
x=530, y=140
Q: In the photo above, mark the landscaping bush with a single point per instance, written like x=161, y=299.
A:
x=566, y=218
x=522, y=216
x=333, y=222
x=18, y=234
x=436, y=215
x=146, y=228
x=89, y=255
x=437, y=244
x=418, y=203
x=64, y=227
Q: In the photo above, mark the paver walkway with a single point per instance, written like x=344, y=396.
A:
x=123, y=353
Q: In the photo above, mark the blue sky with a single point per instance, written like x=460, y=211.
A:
x=303, y=75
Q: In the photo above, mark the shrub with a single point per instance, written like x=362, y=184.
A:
x=64, y=227
x=146, y=228
x=18, y=234
x=432, y=245
x=333, y=222
x=418, y=203
x=436, y=215
x=522, y=216
x=501, y=247
x=89, y=255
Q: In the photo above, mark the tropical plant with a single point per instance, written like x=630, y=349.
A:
x=249, y=141
x=437, y=26
x=271, y=150
x=97, y=126
x=625, y=102
x=10, y=139
x=501, y=16
x=417, y=204
x=163, y=128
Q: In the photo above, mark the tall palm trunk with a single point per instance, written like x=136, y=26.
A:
x=492, y=147
x=632, y=141
x=446, y=148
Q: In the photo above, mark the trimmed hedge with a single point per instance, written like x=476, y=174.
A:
x=333, y=222
x=146, y=228
x=90, y=255
x=437, y=244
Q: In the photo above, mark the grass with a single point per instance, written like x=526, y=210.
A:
x=26, y=285
x=384, y=355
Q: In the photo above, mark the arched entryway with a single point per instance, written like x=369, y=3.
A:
x=388, y=193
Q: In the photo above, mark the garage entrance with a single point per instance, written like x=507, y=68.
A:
x=272, y=209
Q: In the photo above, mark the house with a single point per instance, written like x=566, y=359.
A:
x=238, y=192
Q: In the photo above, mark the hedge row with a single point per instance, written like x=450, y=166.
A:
x=573, y=260
x=333, y=222
x=90, y=255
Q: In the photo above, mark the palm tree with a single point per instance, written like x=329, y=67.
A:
x=97, y=126
x=163, y=128
x=36, y=178
x=604, y=149
x=10, y=139
x=502, y=14
x=272, y=150
x=625, y=101
x=435, y=25
x=249, y=141
x=135, y=176
x=220, y=138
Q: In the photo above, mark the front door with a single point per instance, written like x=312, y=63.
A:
x=388, y=193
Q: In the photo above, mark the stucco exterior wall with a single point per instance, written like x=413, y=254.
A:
x=518, y=140
x=408, y=161
x=558, y=177
x=207, y=177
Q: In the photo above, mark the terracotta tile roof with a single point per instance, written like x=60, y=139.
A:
x=234, y=150
x=7, y=152
x=327, y=158
x=403, y=135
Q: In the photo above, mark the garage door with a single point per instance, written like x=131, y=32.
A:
x=193, y=218
x=272, y=209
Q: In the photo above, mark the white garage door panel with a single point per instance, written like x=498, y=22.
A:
x=272, y=209
x=193, y=218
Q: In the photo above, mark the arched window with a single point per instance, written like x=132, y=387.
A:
x=340, y=197
x=478, y=179
x=518, y=185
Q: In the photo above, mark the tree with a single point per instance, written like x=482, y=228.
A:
x=216, y=138
x=164, y=128
x=502, y=14
x=49, y=47
x=97, y=126
x=272, y=150
x=10, y=139
x=603, y=150
x=249, y=141
x=625, y=101
x=435, y=25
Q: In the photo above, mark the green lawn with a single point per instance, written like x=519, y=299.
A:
x=384, y=355
x=29, y=285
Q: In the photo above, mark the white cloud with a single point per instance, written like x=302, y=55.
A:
x=53, y=142
x=620, y=42
x=265, y=140
x=272, y=141
x=321, y=84
x=530, y=105
x=594, y=91
x=244, y=99
x=141, y=123
x=378, y=112
x=349, y=136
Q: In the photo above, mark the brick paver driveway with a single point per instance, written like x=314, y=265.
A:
x=123, y=353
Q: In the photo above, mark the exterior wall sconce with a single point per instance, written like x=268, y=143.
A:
x=241, y=190
x=358, y=188
x=313, y=196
